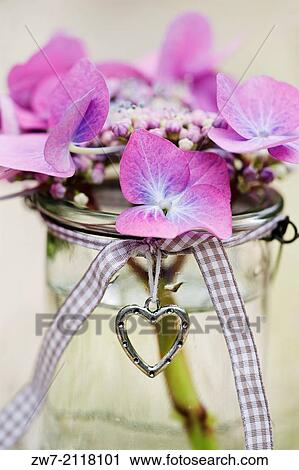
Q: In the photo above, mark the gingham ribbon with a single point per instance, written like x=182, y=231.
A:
x=215, y=267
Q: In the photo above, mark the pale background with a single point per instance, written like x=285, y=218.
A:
x=128, y=29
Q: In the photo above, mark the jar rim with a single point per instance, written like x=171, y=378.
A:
x=249, y=210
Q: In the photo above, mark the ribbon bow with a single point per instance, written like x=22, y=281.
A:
x=211, y=257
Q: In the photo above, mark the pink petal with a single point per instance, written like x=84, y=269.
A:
x=209, y=168
x=152, y=168
x=260, y=107
x=57, y=152
x=145, y=221
x=57, y=56
x=26, y=153
x=83, y=77
x=121, y=70
x=28, y=120
x=203, y=89
x=9, y=121
x=287, y=153
x=42, y=96
x=186, y=48
x=202, y=207
x=148, y=65
x=229, y=140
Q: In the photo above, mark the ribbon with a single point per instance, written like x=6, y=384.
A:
x=211, y=257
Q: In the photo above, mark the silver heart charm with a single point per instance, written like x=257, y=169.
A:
x=152, y=317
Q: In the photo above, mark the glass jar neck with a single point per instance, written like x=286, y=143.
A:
x=249, y=210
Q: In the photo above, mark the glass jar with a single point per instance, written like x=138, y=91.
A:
x=100, y=399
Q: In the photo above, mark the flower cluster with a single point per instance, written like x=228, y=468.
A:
x=170, y=119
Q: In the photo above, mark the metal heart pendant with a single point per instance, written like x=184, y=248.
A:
x=152, y=317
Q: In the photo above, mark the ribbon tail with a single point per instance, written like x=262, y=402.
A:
x=218, y=275
x=18, y=414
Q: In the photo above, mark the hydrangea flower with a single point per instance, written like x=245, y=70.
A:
x=31, y=84
x=175, y=191
x=79, y=110
x=57, y=191
x=261, y=113
x=186, y=54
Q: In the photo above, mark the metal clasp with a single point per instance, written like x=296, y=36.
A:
x=281, y=229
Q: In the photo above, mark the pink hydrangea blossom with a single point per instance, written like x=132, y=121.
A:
x=186, y=54
x=186, y=50
x=31, y=84
x=175, y=191
x=79, y=111
x=261, y=113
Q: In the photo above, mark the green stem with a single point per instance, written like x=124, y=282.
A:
x=181, y=388
x=276, y=266
x=194, y=416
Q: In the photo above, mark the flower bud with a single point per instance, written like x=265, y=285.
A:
x=98, y=173
x=57, y=191
x=81, y=199
x=140, y=124
x=185, y=144
x=249, y=173
x=153, y=123
x=267, y=175
x=159, y=132
x=194, y=134
x=198, y=117
x=121, y=129
x=184, y=133
x=173, y=127
x=107, y=137
x=82, y=163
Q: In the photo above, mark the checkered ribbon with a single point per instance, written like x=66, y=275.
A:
x=215, y=267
